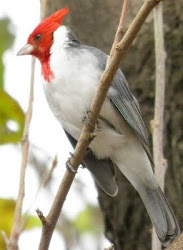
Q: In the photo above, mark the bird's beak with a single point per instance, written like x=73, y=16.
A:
x=26, y=50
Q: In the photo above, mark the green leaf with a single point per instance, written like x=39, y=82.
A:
x=10, y=112
x=89, y=221
x=6, y=214
x=32, y=222
x=7, y=208
x=6, y=42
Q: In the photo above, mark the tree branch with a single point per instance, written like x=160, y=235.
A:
x=120, y=30
x=159, y=96
x=159, y=161
x=48, y=175
x=177, y=244
x=16, y=228
x=87, y=133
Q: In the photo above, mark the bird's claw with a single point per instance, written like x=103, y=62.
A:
x=98, y=127
x=87, y=118
x=71, y=154
x=69, y=166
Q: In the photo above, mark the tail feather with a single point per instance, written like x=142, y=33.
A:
x=161, y=214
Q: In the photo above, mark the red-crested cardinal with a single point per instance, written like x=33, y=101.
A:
x=71, y=72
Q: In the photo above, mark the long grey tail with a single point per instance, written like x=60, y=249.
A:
x=161, y=215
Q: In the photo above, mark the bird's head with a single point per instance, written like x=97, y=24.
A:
x=41, y=39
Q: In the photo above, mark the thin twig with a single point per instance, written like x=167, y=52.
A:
x=48, y=175
x=159, y=161
x=44, y=182
x=121, y=27
x=120, y=30
x=25, y=141
x=16, y=228
x=5, y=238
x=43, y=7
x=41, y=216
x=88, y=128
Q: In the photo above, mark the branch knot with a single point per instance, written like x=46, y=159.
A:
x=41, y=217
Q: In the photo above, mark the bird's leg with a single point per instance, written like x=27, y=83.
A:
x=68, y=164
x=87, y=118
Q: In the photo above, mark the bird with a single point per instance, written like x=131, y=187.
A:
x=70, y=73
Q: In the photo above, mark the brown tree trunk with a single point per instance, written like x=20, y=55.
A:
x=94, y=22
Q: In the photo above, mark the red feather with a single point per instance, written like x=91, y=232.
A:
x=42, y=46
x=51, y=23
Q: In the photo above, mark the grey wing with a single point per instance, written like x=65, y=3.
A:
x=102, y=170
x=125, y=102
x=129, y=108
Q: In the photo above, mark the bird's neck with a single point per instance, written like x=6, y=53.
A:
x=62, y=38
x=46, y=70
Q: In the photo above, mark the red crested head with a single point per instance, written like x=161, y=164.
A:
x=41, y=39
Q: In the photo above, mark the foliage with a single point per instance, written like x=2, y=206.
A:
x=89, y=221
x=10, y=111
x=32, y=222
x=7, y=207
x=6, y=42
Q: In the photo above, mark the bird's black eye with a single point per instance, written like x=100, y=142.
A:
x=37, y=37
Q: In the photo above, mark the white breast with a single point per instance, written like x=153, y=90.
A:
x=69, y=94
x=75, y=81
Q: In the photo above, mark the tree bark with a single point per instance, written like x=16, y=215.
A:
x=94, y=22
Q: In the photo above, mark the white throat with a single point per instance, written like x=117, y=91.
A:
x=60, y=39
x=75, y=71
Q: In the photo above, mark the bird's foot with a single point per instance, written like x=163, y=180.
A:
x=68, y=164
x=87, y=118
x=98, y=126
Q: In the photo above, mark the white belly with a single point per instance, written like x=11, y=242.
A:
x=69, y=105
x=70, y=94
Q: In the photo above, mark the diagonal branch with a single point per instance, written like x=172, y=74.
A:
x=87, y=133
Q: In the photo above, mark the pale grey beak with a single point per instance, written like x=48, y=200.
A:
x=26, y=50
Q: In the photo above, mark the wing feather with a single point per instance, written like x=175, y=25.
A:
x=129, y=108
x=124, y=101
